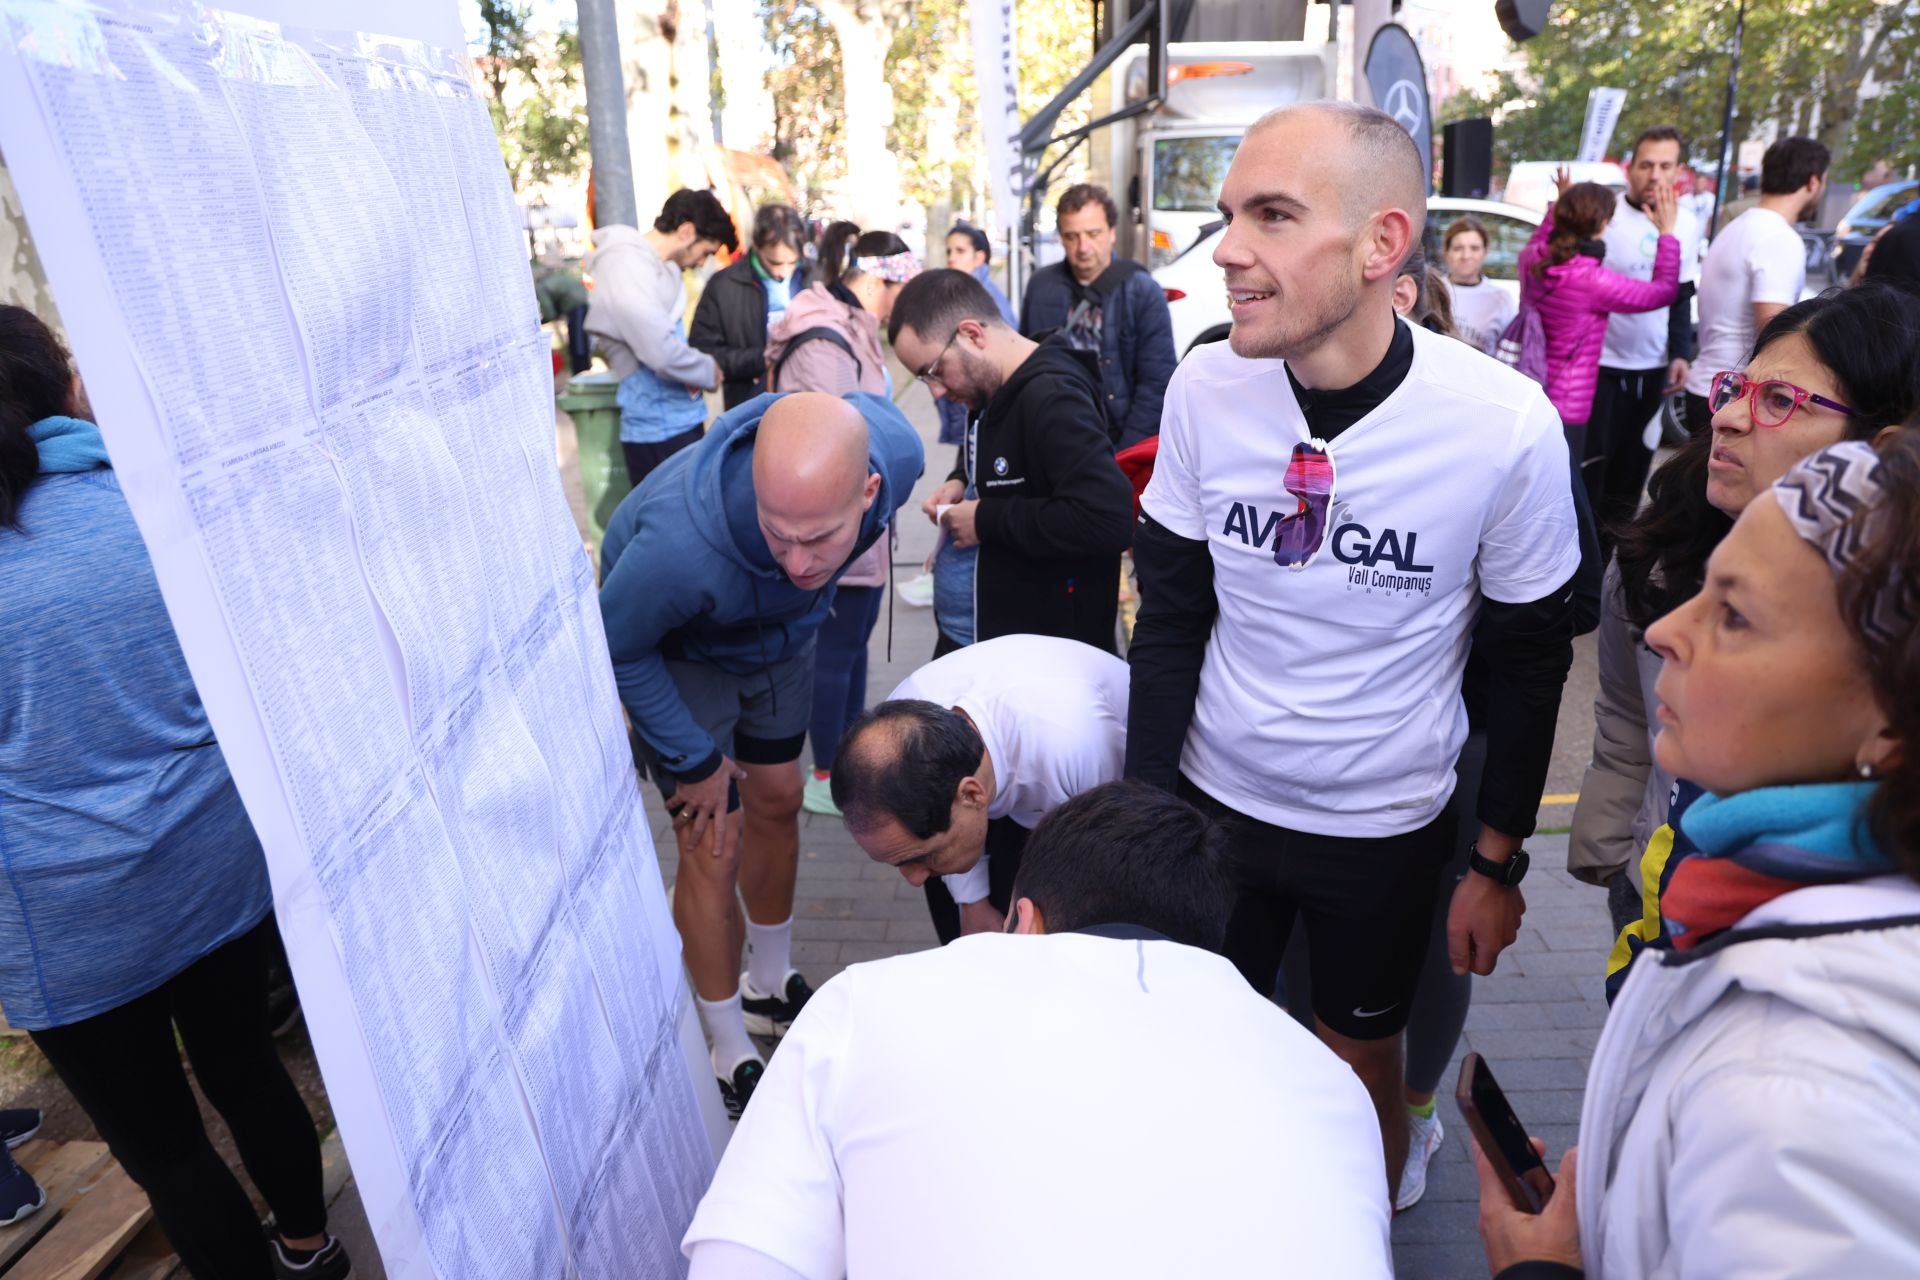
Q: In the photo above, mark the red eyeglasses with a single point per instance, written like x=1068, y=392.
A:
x=1774, y=400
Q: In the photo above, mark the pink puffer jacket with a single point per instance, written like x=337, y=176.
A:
x=1574, y=302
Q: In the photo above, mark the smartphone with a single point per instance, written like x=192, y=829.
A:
x=1502, y=1136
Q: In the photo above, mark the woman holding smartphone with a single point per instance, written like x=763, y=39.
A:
x=1751, y=1105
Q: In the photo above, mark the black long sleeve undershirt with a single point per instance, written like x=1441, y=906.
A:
x=1177, y=611
x=1527, y=650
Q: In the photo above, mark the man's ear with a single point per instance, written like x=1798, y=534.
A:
x=971, y=792
x=1386, y=243
x=1026, y=917
x=871, y=491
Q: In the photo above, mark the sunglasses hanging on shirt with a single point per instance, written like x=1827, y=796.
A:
x=1310, y=479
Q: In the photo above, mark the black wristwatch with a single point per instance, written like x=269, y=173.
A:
x=1509, y=873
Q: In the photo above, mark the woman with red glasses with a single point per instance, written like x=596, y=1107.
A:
x=1844, y=366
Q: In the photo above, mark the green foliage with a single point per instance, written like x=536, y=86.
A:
x=935, y=125
x=809, y=105
x=534, y=94
x=1803, y=65
x=935, y=134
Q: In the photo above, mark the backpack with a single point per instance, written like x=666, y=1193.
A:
x=819, y=332
x=1523, y=344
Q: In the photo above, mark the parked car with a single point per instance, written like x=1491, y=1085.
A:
x=1869, y=213
x=1197, y=293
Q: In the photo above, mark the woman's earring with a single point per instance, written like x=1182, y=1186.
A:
x=1867, y=772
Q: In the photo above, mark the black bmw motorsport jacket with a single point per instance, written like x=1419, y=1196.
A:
x=1055, y=509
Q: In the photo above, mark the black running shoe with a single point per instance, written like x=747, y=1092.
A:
x=17, y=1124
x=736, y=1093
x=20, y=1196
x=329, y=1263
x=772, y=1015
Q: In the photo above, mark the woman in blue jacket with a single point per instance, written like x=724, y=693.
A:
x=133, y=891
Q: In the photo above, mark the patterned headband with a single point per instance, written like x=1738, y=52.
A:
x=1829, y=498
x=895, y=268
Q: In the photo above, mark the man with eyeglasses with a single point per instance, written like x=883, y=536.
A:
x=1098, y=302
x=1054, y=510
x=1342, y=504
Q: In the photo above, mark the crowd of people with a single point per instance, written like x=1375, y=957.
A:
x=1366, y=531
x=1339, y=699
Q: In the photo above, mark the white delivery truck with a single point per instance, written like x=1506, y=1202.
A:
x=1164, y=166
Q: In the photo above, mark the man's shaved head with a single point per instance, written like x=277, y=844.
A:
x=1322, y=202
x=1378, y=166
x=812, y=483
x=811, y=440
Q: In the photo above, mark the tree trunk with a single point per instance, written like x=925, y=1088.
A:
x=872, y=196
x=23, y=281
x=1841, y=101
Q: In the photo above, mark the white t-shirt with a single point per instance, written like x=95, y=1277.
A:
x=1069, y=1105
x=1481, y=313
x=1638, y=340
x=1053, y=716
x=1758, y=258
x=1330, y=696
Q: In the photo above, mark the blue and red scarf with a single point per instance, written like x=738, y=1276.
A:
x=1759, y=844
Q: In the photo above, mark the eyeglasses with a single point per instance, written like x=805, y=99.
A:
x=926, y=374
x=1774, y=400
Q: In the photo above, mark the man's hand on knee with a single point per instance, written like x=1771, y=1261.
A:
x=695, y=805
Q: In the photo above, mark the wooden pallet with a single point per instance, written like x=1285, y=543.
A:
x=94, y=1213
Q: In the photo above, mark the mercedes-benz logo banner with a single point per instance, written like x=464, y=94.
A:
x=1398, y=80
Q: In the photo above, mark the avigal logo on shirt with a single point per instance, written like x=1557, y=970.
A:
x=1383, y=560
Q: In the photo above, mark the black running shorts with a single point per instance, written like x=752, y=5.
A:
x=1367, y=903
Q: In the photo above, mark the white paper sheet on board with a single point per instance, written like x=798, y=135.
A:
x=285, y=250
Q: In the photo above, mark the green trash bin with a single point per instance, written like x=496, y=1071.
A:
x=590, y=400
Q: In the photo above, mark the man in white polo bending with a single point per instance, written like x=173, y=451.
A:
x=945, y=779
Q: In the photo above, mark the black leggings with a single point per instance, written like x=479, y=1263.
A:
x=123, y=1069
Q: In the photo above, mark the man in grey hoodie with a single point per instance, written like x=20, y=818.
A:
x=638, y=317
x=715, y=578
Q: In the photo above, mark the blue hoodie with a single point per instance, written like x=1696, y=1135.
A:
x=125, y=854
x=677, y=582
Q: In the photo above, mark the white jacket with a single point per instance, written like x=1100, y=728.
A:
x=1753, y=1109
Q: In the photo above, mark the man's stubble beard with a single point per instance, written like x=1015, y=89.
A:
x=983, y=381
x=1321, y=322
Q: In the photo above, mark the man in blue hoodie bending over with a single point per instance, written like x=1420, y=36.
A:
x=716, y=573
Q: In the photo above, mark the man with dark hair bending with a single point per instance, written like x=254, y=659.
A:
x=944, y=780
x=1094, y=1093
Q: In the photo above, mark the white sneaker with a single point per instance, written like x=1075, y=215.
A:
x=917, y=592
x=1424, y=1139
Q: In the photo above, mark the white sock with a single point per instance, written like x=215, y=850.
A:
x=726, y=1027
x=769, y=956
